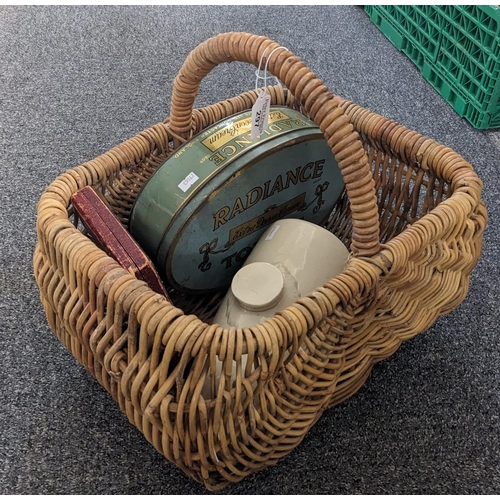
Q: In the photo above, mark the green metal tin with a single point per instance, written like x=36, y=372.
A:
x=202, y=212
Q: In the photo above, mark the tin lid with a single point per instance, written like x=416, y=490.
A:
x=203, y=211
x=258, y=286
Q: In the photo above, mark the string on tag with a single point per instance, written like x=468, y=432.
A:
x=259, y=70
x=260, y=110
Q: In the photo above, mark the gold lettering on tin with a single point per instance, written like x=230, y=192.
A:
x=237, y=208
x=318, y=169
x=278, y=186
x=228, y=150
x=301, y=174
x=274, y=128
x=292, y=177
x=266, y=218
x=251, y=202
x=242, y=142
x=266, y=190
x=220, y=217
x=238, y=256
x=216, y=140
x=217, y=158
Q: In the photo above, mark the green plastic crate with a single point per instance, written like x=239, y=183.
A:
x=395, y=33
x=386, y=24
x=456, y=48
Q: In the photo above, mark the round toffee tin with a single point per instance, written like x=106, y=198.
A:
x=203, y=211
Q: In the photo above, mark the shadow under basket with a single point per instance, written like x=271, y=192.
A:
x=411, y=214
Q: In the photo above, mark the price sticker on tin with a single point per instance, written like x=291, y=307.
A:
x=260, y=114
x=188, y=182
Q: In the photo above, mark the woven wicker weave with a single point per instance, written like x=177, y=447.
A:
x=412, y=215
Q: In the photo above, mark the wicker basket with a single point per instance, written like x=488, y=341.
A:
x=411, y=213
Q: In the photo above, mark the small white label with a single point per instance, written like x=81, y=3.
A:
x=188, y=182
x=260, y=114
x=272, y=232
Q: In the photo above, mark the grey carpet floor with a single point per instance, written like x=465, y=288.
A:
x=77, y=81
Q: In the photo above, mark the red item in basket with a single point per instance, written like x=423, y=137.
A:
x=114, y=239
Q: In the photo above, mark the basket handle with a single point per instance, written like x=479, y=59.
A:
x=315, y=100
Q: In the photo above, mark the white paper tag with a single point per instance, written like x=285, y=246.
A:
x=272, y=232
x=260, y=114
x=188, y=182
